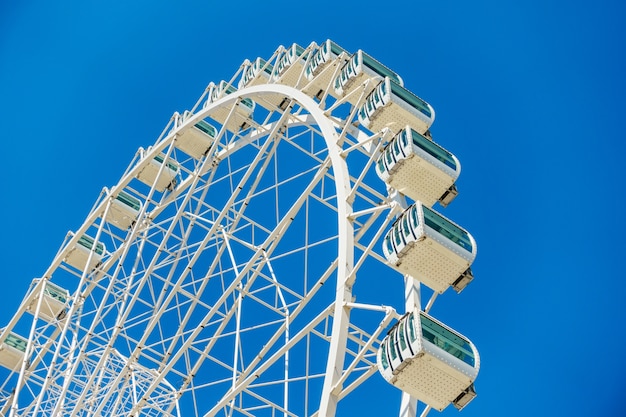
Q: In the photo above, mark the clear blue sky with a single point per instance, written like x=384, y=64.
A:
x=529, y=95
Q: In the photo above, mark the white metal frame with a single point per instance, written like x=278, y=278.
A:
x=173, y=291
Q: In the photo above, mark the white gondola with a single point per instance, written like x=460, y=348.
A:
x=321, y=69
x=54, y=303
x=291, y=64
x=124, y=210
x=240, y=116
x=12, y=351
x=359, y=68
x=427, y=246
x=430, y=361
x=78, y=255
x=260, y=72
x=195, y=140
x=419, y=168
x=393, y=106
x=168, y=179
x=256, y=72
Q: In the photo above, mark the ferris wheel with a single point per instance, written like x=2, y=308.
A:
x=220, y=275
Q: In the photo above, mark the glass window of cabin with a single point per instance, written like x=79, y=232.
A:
x=227, y=88
x=411, y=326
x=130, y=201
x=16, y=342
x=383, y=356
x=247, y=102
x=381, y=163
x=389, y=157
x=401, y=336
x=392, y=348
x=406, y=228
x=411, y=99
x=451, y=342
x=266, y=67
x=379, y=68
x=433, y=149
x=247, y=76
x=376, y=96
x=318, y=59
x=55, y=292
x=398, y=235
x=403, y=138
x=351, y=71
x=389, y=243
x=444, y=227
x=362, y=112
x=414, y=217
x=396, y=149
x=206, y=128
x=87, y=242
x=336, y=49
x=170, y=165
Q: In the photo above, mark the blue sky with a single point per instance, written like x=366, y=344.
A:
x=529, y=96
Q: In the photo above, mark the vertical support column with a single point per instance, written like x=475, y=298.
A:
x=412, y=301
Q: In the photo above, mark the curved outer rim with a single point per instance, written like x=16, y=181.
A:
x=341, y=320
x=336, y=354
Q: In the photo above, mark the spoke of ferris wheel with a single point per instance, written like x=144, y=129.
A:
x=222, y=154
x=27, y=353
x=120, y=253
x=88, y=338
x=315, y=181
x=266, y=248
x=209, y=235
x=72, y=311
x=276, y=336
x=269, y=361
x=374, y=239
x=237, y=218
x=188, y=196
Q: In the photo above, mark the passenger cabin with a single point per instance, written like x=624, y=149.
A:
x=322, y=69
x=240, y=117
x=430, y=361
x=54, y=303
x=393, y=106
x=359, y=68
x=419, y=168
x=124, y=210
x=291, y=64
x=162, y=176
x=260, y=72
x=430, y=248
x=256, y=72
x=79, y=254
x=12, y=351
x=195, y=140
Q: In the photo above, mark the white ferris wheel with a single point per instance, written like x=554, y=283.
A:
x=220, y=275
